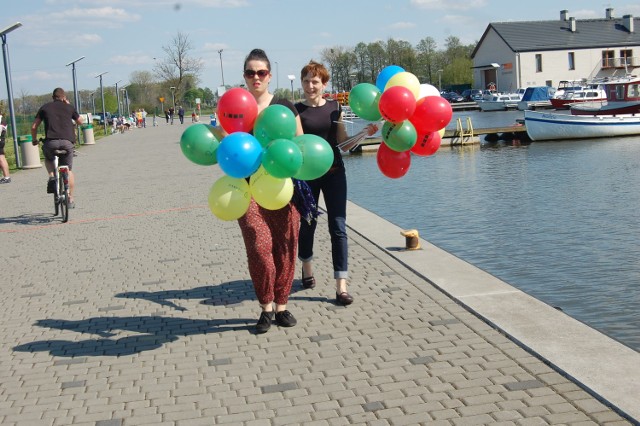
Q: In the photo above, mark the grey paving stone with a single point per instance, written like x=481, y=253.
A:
x=154, y=323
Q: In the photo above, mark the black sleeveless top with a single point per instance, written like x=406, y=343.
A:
x=322, y=121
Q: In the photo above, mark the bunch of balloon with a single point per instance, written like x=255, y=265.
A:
x=415, y=116
x=259, y=165
x=238, y=153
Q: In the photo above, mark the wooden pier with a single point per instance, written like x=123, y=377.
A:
x=466, y=134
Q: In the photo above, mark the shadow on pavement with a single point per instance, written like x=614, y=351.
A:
x=229, y=293
x=29, y=219
x=155, y=331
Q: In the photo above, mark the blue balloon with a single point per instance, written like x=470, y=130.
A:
x=385, y=74
x=239, y=154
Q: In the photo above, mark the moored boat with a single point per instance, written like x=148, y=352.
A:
x=579, y=95
x=500, y=102
x=554, y=126
x=622, y=97
x=536, y=97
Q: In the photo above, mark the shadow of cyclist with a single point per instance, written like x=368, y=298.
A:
x=154, y=331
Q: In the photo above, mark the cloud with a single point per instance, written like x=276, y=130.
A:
x=402, y=25
x=107, y=14
x=73, y=40
x=40, y=76
x=449, y=5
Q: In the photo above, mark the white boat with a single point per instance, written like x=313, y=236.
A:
x=536, y=97
x=543, y=126
x=500, y=102
x=593, y=93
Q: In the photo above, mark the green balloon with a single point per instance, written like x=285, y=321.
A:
x=317, y=156
x=399, y=137
x=199, y=144
x=274, y=122
x=282, y=158
x=363, y=100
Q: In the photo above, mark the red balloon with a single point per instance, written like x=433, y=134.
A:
x=237, y=110
x=397, y=104
x=393, y=164
x=427, y=144
x=432, y=113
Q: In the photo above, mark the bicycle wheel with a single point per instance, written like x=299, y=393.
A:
x=64, y=199
x=56, y=199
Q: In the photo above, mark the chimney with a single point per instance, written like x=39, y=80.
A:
x=572, y=24
x=564, y=14
x=628, y=22
x=609, y=13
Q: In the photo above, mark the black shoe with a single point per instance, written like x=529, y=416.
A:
x=344, y=298
x=51, y=186
x=264, y=322
x=285, y=319
x=308, y=282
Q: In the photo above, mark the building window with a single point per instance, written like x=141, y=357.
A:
x=572, y=61
x=607, y=58
x=538, y=62
x=625, y=57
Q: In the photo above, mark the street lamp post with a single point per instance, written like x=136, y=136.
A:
x=173, y=96
x=221, y=69
x=440, y=80
x=76, y=98
x=7, y=73
x=104, y=111
x=118, y=98
x=125, y=99
x=291, y=77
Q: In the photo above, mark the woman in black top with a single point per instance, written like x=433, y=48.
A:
x=323, y=118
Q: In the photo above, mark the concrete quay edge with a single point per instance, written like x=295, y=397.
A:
x=603, y=366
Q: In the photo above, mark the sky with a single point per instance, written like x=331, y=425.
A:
x=118, y=37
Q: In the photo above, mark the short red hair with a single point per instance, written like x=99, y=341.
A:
x=316, y=69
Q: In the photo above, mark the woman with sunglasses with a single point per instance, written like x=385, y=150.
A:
x=323, y=117
x=270, y=236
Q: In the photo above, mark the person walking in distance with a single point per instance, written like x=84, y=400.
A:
x=270, y=236
x=323, y=118
x=4, y=165
x=59, y=117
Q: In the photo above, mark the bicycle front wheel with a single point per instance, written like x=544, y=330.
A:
x=64, y=200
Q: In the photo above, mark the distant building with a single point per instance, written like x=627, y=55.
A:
x=512, y=55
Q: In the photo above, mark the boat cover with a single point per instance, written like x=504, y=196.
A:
x=538, y=93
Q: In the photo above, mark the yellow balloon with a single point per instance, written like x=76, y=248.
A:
x=229, y=198
x=406, y=79
x=441, y=131
x=270, y=192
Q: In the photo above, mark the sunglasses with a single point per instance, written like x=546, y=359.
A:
x=252, y=73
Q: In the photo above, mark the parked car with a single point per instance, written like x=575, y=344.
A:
x=471, y=95
x=100, y=119
x=452, y=97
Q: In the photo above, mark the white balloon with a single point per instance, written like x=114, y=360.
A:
x=428, y=90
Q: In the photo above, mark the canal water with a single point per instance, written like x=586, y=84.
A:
x=558, y=220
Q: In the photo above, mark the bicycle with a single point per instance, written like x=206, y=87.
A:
x=61, y=191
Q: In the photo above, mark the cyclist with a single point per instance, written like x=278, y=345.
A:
x=59, y=117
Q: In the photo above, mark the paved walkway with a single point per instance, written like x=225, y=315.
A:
x=140, y=311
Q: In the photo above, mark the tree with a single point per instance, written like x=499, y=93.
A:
x=179, y=67
x=426, y=59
